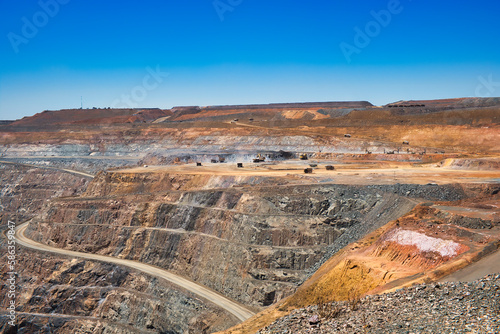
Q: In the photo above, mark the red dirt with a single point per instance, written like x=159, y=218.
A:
x=92, y=116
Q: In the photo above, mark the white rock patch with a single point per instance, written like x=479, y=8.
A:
x=424, y=243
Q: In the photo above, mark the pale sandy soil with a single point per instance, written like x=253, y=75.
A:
x=360, y=173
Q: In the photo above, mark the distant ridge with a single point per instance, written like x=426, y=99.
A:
x=305, y=111
x=463, y=102
x=275, y=111
x=93, y=116
x=333, y=104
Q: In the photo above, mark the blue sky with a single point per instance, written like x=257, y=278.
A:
x=118, y=53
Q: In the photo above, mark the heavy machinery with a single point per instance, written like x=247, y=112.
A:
x=260, y=158
x=303, y=156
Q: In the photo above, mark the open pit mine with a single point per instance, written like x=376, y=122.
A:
x=279, y=218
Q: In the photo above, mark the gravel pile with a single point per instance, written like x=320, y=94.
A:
x=433, y=192
x=400, y=193
x=428, y=308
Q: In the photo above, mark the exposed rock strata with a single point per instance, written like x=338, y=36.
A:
x=252, y=244
x=25, y=190
x=69, y=295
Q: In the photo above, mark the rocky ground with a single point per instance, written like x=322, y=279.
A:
x=251, y=244
x=89, y=165
x=253, y=234
x=24, y=190
x=62, y=295
x=428, y=308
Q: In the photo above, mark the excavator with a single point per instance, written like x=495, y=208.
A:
x=260, y=158
x=303, y=156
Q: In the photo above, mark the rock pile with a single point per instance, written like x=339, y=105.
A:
x=428, y=308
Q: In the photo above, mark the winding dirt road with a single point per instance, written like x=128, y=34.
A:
x=71, y=171
x=241, y=312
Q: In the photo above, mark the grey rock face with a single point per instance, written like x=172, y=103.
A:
x=255, y=244
x=58, y=295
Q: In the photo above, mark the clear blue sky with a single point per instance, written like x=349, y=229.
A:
x=249, y=51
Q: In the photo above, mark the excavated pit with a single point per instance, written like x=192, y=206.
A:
x=254, y=244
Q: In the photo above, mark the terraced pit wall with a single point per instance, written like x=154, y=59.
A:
x=254, y=243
